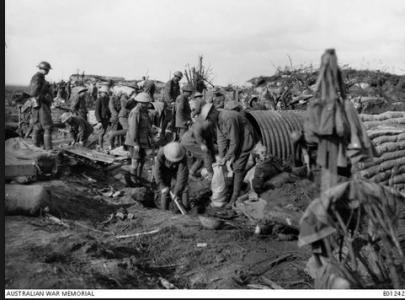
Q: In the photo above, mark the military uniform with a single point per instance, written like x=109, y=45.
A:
x=103, y=115
x=114, y=106
x=202, y=132
x=79, y=107
x=41, y=112
x=183, y=114
x=80, y=129
x=236, y=139
x=176, y=174
x=170, y=93
x=138, y=137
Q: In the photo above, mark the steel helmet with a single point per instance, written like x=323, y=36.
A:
x=103, y=89
x=178, y=74
x=143, y=97
x=205, y=110
x=44, y=65
x=65, y=116
x=174, y=152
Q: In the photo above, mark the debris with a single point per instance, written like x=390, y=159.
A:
x=271, y=283
x=265, y=267
x=137, y=234
x=130, y=216
x=210, y=223
x=257, y=286
x=117, y=194
x=89, y=178
x=56, y=220
x=120, y=215
x=166, y=284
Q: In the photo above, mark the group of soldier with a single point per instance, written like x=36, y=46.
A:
x=204, y=131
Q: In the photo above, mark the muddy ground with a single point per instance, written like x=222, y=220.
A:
x=85, y=250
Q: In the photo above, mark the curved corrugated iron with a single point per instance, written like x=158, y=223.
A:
x=275, y=129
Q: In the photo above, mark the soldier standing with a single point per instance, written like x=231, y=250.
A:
x=41, y=107
x=183, y=111
x=170, y=93
x=79, y=106
x=139, y=134
x=102, y=113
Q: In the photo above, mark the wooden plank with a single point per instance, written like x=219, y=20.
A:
x=23, y=169
x=91, y=154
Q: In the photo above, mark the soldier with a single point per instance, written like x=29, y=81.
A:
x=196, y=104
x=114, y=106
x=183, y=111
x=102, y=113
x=78, y=103
x=170, y=93
x=218, y=98
x=171, y=170
x=139, y=134
x=125, y=107
x=80, y=129
x=149, y=87
x=199, y=141
x=41, y=107
x=236, y=138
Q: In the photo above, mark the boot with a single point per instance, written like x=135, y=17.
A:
x=237, y=186
x=164, y=201
x=36, y=138
x=47, y=141
x=184, y=200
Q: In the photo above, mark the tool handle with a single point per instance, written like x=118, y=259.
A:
x=178, y=204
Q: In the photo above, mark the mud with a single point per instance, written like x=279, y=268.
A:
x=85, y=251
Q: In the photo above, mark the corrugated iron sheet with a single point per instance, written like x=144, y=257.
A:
x=275, y=129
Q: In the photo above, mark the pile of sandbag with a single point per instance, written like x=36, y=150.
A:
x=387, y=133
x=389, y=118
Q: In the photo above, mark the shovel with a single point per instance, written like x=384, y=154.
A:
x=178, y=204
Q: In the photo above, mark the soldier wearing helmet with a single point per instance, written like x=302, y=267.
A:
x=79, y=128
x=171, y=172
x=183, y=110
x=41, y=102
x=78, y=101
x=170, y=93
x=139, y=134
x=235, y=138
x=102, y=113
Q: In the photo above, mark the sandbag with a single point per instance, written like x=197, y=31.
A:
x=383, y=131
x=391, y=147
x=388, y=138
x=25, y=199
x=383, y=166
x=218, y=186
x=398, y=179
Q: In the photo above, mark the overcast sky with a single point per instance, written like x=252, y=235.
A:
x=239, y=39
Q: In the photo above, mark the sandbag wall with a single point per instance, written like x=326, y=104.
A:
x=387, y=132
x=275, y=129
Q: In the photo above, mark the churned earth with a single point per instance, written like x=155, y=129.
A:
x=87, y=239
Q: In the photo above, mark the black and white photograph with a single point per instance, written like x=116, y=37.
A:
x=204, y=148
